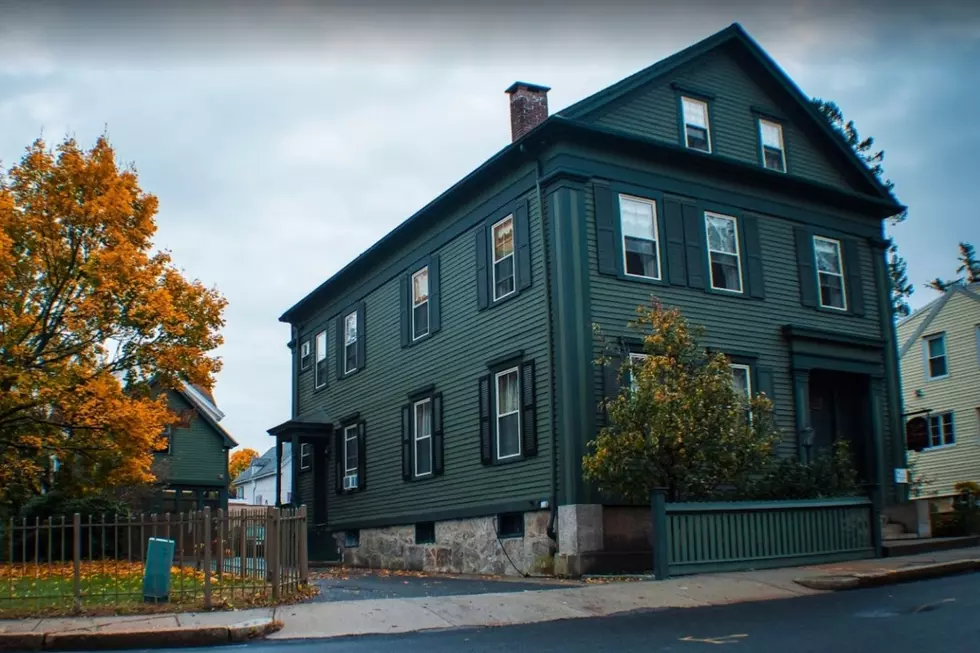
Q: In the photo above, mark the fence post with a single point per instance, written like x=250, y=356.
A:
x=206, y=530
x=304, y=560
x=272, y=550
x=76, y=526
x=658, y=509
x=875, y=494
x=221, y=544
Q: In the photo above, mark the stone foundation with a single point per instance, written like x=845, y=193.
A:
x=466, y=546
x=596, y=539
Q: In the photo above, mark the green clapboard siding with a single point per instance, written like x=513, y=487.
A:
x=452, y=361
x=197, y=453
x=708, y=537
x=653, y=112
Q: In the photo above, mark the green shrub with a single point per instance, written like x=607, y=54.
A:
x=55, y=504
x=948, y=524
x=830, y=474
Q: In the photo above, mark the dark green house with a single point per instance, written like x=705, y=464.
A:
x=444, y=387
x=192, y=471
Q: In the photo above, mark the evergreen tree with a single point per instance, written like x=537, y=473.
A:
x=969, y=263
x=901, y=289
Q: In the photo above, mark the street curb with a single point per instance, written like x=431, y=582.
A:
x=891, y=577
x=124, y=639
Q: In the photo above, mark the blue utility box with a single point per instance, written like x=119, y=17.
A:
x=156, y=572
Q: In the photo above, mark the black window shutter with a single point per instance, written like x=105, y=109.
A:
x=435, y=305
x=407, y=469
x=529, y=424
x=676, y=264
x=486, y=434
x=438, y=461
x=852, y=268
x=341, y=351
x=361, y=457
x=338, y=459
x=482, y=273
x=804, y=260
x=605, y=229
x=697, y=263
x=753, y=257
x=764, y=382
x=405, y=308
x=523, y=246
x=361, y=337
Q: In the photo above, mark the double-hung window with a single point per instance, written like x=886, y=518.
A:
x=351, y=461
x=304, y=355
x=830, y=273
x=771, y=137
x=320, y=371
x=503, y=258
x=422, y=436
x=305, y=455
x=742, y=379
x=636, y=360
x=420, y=303
x=350, y=342
x=508, y=413
x=941, y=433
x=723, y=252
x=697, y=131
x=638, y=219
x=936, y=366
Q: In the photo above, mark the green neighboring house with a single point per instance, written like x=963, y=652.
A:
x=444, y=381
x=193, y=469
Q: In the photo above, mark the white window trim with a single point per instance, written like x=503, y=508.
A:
x=317, y=381
x=748, y=384
x=635, y=359
x=927, y=358
x=656, y=235
x=417, y=304
x=304, y=452
x=305, y=354
x=738, y=253
x=347, y=443
x=782, y=144
x=497, y=416
x=493, y=256
x=416, y=438
x=843, y=279
x=707, y=123
x=942, y=430
x=348, y=342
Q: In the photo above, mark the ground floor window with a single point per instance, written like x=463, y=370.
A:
x=941, y=432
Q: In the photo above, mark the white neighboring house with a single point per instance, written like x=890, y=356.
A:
x=256, y=486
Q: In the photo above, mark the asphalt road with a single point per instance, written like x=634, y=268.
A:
x=358, y=584
x=938, y=615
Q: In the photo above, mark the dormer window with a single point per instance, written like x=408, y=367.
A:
x=697, y=132
x=771, y=137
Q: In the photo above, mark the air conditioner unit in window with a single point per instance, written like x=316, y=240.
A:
x=350, y=482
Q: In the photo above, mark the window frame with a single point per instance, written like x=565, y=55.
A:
x=656, y=235
x=415, y=305
x=494, y=298
x=750, y=391
x=353, y=343
x=416, y=438
x=516, y=370
x=684, y=98
x=510, y=533
x=763, y=146
x=944, y=435
x=928, y=358
x=842, y=274
x=633, y=357
x=355, y=428
x=319, y=378
x=305, y=451
x=305, y=359
x=737, y=254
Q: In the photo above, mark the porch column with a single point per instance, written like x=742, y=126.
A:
x=278, y=471
x=317, y=505
x=878, y=462
x=801, y=395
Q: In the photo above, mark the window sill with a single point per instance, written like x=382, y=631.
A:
x=836, y=311
x=509, y=460
x=420, y=339
x=940, y=447
x=721, y=292
x=305, y=470
x=937, y=378
x=506, y=298
x=635, y=278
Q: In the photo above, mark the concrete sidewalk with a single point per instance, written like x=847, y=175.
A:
x=384, y=616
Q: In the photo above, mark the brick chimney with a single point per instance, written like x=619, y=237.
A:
x=528, y=107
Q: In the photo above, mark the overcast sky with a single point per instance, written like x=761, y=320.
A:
x=283, y=143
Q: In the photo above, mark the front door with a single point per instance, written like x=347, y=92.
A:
x=840, y=409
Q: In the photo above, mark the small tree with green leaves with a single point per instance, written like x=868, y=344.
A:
x=969, y=264
x=679, y=423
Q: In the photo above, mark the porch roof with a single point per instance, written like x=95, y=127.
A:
x=313, y=424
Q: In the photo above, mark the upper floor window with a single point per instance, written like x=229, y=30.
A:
x=320, y=372
x=508, y=414
x=941, y=433
x=422, y=436
x=350, y=342
x=351, y=460
x=503, y=258
x=638, y=218
x=697, y=132
x=936, y=367
x=773, y=153
x=305, y=455
x=723, y=252
x=830, y=273
x=304, y=355
x=420, y=303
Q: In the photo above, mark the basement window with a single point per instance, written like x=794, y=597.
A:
x=510, y=524
x=425, y=532
x=352, y=538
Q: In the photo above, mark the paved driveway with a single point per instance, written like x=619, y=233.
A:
x=349, y=584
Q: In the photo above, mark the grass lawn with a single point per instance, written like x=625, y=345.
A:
x=115, y=587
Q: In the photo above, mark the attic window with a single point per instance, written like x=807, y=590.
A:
x=771, y=135
x=697, y=132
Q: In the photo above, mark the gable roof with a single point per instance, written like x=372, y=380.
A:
x=933, y=308
x=207, y=410
x=264, y=465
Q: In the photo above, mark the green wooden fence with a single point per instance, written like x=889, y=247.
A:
x=706, y=537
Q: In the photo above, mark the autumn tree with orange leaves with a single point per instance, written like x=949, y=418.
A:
x=93, y=321
x=239, y=462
